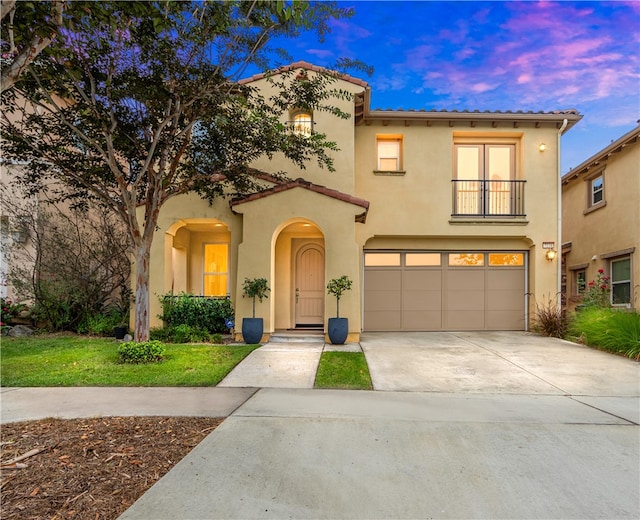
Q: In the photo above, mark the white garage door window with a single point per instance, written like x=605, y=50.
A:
x=426, y=291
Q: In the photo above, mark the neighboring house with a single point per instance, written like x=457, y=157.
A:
x=601, y=222
x=439, y=218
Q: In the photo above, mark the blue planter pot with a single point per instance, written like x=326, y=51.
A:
x=338, y=330
x=252, y=329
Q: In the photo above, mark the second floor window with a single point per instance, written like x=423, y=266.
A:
x=485, y=181
x=389, y=151
x=303, y=123
x=596, y=190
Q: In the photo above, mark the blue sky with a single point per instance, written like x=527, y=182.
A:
x=520, y=55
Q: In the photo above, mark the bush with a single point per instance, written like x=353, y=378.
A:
x=198, y=312
x=184, y=334
x=10, y=311
x=613, y=330
x=550, y=320
x=102, y=324
x=143, y=352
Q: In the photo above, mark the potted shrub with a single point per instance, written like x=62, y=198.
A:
x=252, y=328
x=338, y=328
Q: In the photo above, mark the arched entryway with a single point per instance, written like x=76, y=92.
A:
x=299, y=294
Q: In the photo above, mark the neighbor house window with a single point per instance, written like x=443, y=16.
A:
x=389, y=150
x=580, y=281
x=596, y=190
x=485, y=180
x=216, y=270
x=621, y=281
x=303, y=123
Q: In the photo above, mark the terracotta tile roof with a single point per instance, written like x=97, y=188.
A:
x=307, y=185
x=474, y=116
x=307, y=66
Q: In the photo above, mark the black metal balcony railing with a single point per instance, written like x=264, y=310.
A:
x=477, y=198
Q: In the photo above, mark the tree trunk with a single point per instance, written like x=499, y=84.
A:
x=141, y=325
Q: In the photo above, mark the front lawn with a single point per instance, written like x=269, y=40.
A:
x=345, y=370
x=82, y=361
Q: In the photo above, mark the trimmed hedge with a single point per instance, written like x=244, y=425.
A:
x=143, y=352
x=198, y=312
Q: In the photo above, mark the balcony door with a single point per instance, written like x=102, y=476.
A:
x=484, y=175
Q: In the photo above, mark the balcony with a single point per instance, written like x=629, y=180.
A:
x=488, y=199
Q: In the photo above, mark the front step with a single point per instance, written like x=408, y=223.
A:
x=290, y=337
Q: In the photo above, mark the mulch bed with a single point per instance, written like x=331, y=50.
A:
x=90, y=468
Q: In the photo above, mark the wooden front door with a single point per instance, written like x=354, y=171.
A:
x=309, y=290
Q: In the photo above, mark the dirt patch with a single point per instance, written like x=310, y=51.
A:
x=90, y=468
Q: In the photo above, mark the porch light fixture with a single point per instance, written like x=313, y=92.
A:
x=550, y=252
x=542, y=147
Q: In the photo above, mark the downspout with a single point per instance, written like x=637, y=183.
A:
x=565, y=122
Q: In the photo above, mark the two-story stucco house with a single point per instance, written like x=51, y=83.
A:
x=438, y=217
x=601, y=222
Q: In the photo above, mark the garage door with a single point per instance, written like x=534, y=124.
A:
x=425, y=291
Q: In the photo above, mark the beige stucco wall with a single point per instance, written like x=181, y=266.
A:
x=417, y=206
x=338, y=130
x=611, y=228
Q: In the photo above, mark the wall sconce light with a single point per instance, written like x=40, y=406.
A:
x=542, y=147
x=550, y=252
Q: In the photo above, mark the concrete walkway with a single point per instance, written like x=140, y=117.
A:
x=489, y=425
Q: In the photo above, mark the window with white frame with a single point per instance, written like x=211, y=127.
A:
x=621, y=281
x=389, y=152
x=596, y=190
x=216, y=270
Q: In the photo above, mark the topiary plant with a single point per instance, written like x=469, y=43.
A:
x=255, y=288
x=337, y=286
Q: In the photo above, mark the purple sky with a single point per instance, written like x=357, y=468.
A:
x=520, y=55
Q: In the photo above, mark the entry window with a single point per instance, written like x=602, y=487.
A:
x=389, y=149
x=621, y=281
x=506, y=259
x=382, y=259
x=466, y=259
x=216, y=270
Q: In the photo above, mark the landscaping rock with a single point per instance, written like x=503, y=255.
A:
x=20, y=331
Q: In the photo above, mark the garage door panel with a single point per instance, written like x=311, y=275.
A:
x=422, y=300
x=381, y=321
x=465, y=300
x=383, y=280
x=422, y=320
x=384, y=300
x=465, y=280
x=505, y=300
x=505, y=320
x=465, y=320
x=504, y=279
x=422, y=280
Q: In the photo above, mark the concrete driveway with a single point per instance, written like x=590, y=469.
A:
x=494, y=362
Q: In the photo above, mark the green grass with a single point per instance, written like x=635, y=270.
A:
x=82, y=361
x=608, y=329
x=346, y=370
